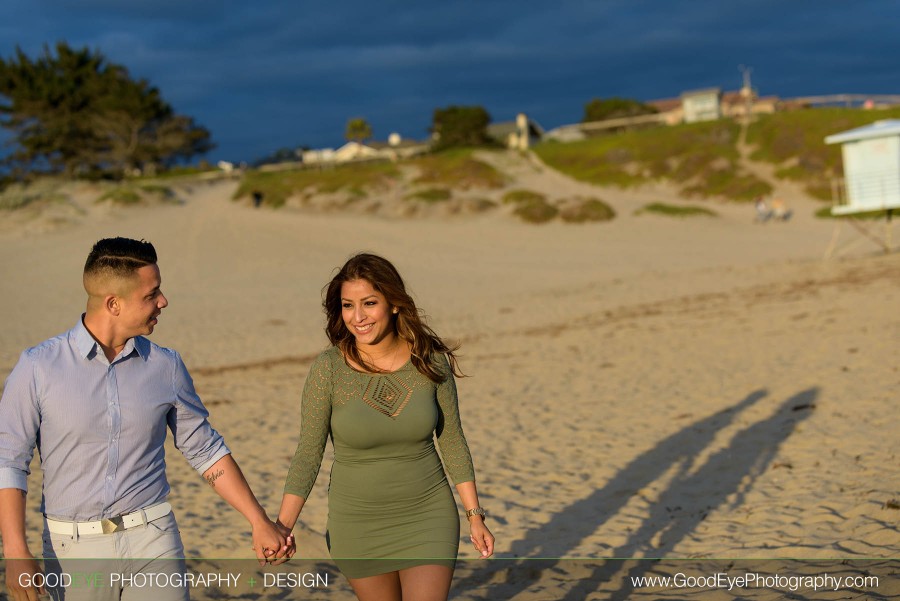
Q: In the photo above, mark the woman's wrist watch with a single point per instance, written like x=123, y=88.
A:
x=476, y=511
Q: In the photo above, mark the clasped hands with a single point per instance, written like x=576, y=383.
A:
x=273, y=542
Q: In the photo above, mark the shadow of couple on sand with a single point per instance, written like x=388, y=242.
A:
x=538, y=560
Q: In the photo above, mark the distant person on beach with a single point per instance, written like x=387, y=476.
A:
x=384, y=392
x=257, y=198
x=762, y=211
x=780, y=210
x=96, y=401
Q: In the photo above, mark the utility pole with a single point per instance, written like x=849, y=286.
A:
x=747, y=91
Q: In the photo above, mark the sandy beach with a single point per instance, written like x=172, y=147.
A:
x=651, y=387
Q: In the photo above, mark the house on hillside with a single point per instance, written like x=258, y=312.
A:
x=702, y=105
x=394, y=149
x=355, y=151
x=565, y=133
x=670, y=110
x=734, y=104
x=520, y=134
x=319, y=156
x=397, y=148
x=699, y=105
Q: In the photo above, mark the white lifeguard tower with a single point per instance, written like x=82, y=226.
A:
x=871, y=183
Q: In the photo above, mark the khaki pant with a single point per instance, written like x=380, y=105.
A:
x=144, y=563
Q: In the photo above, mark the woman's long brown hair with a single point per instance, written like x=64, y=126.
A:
x=408, y=322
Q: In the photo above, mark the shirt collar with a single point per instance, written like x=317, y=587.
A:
x=141, y=345
x=88, y=347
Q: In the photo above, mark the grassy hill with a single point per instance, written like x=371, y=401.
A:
x=795, y=142
x=356, y=181
x=701, y=158
x=436, y=177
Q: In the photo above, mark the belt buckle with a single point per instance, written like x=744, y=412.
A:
x=112, y=525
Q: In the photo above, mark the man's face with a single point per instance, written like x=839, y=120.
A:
x=142, y=304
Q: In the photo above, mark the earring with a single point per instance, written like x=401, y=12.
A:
x=396, y=310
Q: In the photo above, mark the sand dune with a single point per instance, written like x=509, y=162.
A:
x=649, y=387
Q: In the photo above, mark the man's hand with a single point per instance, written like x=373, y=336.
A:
x=19, y=576
x=269, y=543
x=22, y=567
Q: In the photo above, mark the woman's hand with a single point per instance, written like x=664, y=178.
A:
x=480, y=536
x=290, y=541
x=270, y=545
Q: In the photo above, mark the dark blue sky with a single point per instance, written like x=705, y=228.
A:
x=273, y=73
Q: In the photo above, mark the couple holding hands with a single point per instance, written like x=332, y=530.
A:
x=97, y=402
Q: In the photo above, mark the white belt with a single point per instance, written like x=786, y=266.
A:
x=109, y=525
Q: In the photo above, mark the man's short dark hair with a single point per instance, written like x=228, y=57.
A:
x=119, y=256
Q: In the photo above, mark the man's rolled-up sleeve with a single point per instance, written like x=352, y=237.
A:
x=20, y=421
x=198, y=441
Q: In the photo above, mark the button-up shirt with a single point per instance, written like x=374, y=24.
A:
x=100, y=426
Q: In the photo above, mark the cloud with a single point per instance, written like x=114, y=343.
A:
x=300, y=69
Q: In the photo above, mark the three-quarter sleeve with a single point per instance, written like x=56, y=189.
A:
x=450, y=438
x=315, y=425
x=19, y=424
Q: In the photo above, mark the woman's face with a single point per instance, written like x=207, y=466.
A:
x=366, y=313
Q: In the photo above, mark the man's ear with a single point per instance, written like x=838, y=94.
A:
x=112, y=303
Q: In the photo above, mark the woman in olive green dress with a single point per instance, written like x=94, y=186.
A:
x=384, y=392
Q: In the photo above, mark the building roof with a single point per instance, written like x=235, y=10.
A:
x=504, y=128
x=703, y=92
x=879, y=129
x=664, y=105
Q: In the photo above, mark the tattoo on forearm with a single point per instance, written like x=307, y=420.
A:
x=211, y=479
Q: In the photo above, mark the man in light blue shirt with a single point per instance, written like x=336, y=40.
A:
x=96, y=401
